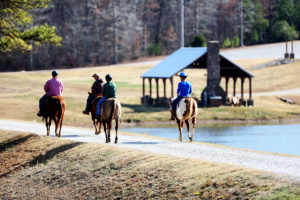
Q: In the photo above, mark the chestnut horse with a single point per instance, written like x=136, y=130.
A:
x=185, y=110
x=110, y=110
x=96, y=120
x=54, y=110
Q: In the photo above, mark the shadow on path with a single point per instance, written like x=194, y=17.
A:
x=139, y=142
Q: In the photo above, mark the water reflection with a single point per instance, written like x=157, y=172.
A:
x=283, y=138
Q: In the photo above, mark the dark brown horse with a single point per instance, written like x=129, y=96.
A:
x=96, y=120
x=54, y=110
x=110, y=110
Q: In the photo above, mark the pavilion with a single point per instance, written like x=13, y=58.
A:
x=189, y=57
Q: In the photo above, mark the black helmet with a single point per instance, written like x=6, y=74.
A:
x=108, y=77
x=54, y=73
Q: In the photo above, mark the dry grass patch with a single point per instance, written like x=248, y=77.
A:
x=60, y=169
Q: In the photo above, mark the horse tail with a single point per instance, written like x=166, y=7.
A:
x=60, y=104
x=189, y=108
x=112, y=110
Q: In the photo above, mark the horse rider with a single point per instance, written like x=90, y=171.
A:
x=53, y=87
x=184, y=90
x=109, y=90
x=96, y=90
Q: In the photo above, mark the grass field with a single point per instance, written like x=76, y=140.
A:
x=35, y=167
x=20, y=92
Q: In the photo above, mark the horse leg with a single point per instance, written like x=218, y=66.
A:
x=95, y=125
x=105, y=131
x=117, y=127
x=180, y=124
x=194, y=126
x=100, y=123
x=47, y=125
x=109, y=129
x=56, y=120
x=60, y=128
x=188, y=129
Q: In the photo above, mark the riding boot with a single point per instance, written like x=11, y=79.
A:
x=85, y=112
x=39, y=114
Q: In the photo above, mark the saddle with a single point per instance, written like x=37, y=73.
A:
x=97, y=97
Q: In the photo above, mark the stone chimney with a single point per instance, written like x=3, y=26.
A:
x=213, y=68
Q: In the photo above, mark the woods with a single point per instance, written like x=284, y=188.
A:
x=44, y=34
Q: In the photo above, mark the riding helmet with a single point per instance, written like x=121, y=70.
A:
x=108, y=77
x=182, y=74
x=55, y=73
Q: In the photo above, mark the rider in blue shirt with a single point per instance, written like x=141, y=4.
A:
x=184, y=90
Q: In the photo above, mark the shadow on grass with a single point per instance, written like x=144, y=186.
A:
x=44, y=158
x=139, y=108
x=14, y=142
x=52, y=153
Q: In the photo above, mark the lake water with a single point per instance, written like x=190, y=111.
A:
x=283, y=138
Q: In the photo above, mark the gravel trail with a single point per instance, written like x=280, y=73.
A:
x=276, y=163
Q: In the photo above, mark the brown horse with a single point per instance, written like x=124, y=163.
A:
x=96, y=120
x=185, y=110
x=110, y=110
x=54, y=110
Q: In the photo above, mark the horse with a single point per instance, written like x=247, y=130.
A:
x=54, y=110
x=96, y=121
x=186, y=109
x=110, y=110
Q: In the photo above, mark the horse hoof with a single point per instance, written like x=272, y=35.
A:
x=191, y=140
x=116, y=141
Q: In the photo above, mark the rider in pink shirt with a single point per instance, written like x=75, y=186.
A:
x=53, y=87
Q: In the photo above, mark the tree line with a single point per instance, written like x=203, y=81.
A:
x=264, y=21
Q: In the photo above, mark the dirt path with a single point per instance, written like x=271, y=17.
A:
x=276, y=163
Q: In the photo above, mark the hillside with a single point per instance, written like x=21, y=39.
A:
x=44, y=167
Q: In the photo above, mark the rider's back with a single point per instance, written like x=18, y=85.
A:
x=109, y=90
x=54, y=87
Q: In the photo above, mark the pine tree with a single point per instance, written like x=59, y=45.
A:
x=16, y=30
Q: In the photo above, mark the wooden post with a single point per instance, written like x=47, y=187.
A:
x=226, y=79
x=234, y=86
x=242, y=88
x=250, y=88
x=150, y=90
x=172, y=91
x=144, y=87
x=165, y=95
x=157, y=88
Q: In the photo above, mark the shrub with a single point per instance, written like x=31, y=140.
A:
x=199, y=41
x=226, y=43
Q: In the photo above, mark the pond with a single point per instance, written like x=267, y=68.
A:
x=282, y=138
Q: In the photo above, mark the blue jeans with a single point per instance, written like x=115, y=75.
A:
x=42, y=102
x=89, y=102
x=175, y=102
x=99, y=105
